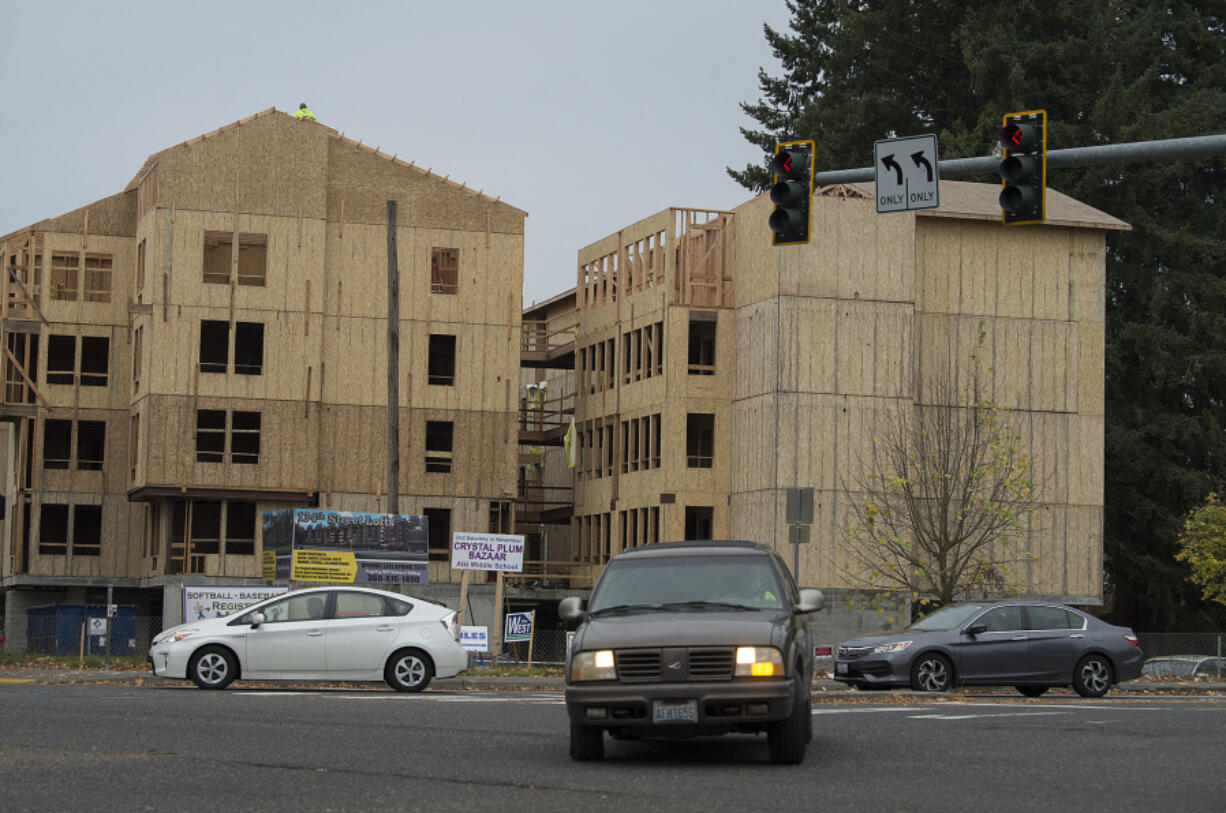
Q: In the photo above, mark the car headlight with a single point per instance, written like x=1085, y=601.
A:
x=594, y=665
x=885, y=649
x=758, y=661
x=177, y=635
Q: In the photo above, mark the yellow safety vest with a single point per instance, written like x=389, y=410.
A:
x=303, y=113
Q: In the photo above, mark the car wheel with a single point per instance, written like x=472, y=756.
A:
x=1031, y=691
x=586, y=743
x=1092, y=677
x=786, y=739
x=409, y=670
x=932, y=673
x=212, y=667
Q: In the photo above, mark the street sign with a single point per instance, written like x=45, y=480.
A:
x=800, y=505
x=907, y=175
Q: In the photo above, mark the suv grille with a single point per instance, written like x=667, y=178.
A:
x=674, y=664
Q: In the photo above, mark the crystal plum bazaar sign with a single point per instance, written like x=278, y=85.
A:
x=503, y=552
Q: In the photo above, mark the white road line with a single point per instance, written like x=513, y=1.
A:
x=977, y=716
x=867, y=710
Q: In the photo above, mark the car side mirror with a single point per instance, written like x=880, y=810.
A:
x=811, y=600
x=975, y=629
x=256, y=619
x=572, y=609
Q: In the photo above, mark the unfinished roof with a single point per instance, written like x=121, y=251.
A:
x=981, y=201
x=152, y=160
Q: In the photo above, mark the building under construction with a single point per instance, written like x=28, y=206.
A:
x=210, y=343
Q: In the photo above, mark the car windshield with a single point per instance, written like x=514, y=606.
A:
x=687, y=583
x=947, y=618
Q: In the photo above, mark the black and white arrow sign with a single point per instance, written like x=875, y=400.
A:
x=905, y=185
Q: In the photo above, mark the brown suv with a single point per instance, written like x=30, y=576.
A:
x=687, y=639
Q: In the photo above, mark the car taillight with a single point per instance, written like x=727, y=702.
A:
x=1132, y=639
x=449, y=624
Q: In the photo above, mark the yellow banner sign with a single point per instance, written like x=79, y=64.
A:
x=269, y=565
x=323, y=566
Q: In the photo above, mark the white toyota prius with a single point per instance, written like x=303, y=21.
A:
x=324, y=633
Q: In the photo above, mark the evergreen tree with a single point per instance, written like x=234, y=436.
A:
x=1107, y=72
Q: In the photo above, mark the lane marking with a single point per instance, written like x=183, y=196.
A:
x=979, y=716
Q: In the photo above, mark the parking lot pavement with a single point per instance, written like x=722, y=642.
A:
x=477, y=681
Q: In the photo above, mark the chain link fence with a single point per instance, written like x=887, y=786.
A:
x=1158, y=644
x=548, y=648
x=75, y=629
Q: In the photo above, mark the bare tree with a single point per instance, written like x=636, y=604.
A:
x=945, y=491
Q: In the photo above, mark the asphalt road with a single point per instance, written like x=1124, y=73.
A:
x=127, y=747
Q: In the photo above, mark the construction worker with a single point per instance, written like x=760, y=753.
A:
x=304, y=113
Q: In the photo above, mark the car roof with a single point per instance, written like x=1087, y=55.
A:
x=706, y=546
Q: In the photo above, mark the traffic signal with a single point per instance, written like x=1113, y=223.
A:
x=792, y=192
x=1023, y=168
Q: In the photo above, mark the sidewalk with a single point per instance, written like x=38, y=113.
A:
x=476, y=681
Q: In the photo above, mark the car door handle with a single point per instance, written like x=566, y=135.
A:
x=314, y=633
x=385, y=628
x=1078, y=635
x=1019, y=637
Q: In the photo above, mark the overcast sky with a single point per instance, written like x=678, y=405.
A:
x=576, y=112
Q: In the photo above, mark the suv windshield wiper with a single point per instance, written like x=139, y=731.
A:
x=625, y=608
x=701, y=605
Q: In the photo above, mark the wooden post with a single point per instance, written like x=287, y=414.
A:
x=465, y=578
x=531, y=637
x=393, y=365
x=496, y=624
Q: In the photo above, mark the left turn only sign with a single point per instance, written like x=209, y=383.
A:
x=906, y=170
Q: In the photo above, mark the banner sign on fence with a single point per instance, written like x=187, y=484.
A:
x=503, y=552
x=218, y=601
x=475, y=639
x=519, y=627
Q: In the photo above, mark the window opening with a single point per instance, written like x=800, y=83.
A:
x=57, y=444
x=61, y=359
x=210, y=435
x=698, y=520
x=240, y=528
x=441, y=371
x=205, y=531
x=245, y=438
x=702, y=343
x=86, y=530
x=252, y=259
x=438, y=446
x=438, y=521
x=248, y=348
x=91, y=445
x=445, y=271
x=98, y=277
x=53, y=529
x=95, y=360
x=214, y=346
x=699, y=440
x=64, y=268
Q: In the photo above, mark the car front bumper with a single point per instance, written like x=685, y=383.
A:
x=878, y=672
x=168, y=661
x=720, y=706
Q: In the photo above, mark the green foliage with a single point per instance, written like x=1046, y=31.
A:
x=1202, y=545
x=1114, y=71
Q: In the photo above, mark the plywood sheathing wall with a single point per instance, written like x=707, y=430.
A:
x=324, y=309
x=832, y=335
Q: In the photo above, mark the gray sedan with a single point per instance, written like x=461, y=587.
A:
x=1031, y=645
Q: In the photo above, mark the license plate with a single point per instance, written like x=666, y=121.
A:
x=841, y=669
x=674, y=711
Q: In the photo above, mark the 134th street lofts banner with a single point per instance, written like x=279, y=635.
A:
x=314, y=545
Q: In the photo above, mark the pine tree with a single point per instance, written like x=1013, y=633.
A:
x=1106, y=72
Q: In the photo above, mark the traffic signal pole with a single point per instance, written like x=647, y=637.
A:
x=1170, y=149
